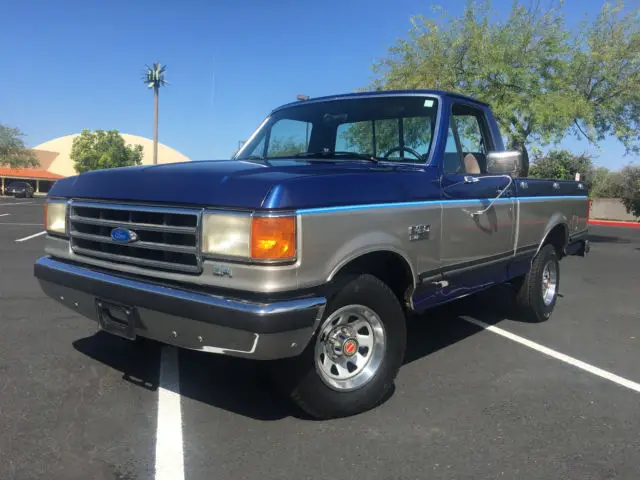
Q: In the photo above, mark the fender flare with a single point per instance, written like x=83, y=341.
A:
x=557, y=219
x=381, y=248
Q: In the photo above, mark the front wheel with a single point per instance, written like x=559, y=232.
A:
x=352, y=360
x=538, y=291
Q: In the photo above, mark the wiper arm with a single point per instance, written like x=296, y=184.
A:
x=328, y=154
x=260, y=158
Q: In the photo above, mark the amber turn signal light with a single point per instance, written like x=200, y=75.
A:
x=273, y=238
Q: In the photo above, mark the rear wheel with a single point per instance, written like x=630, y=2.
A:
x=538, y=291
x=352, y=360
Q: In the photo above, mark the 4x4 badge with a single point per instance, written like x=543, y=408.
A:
x=221, y=271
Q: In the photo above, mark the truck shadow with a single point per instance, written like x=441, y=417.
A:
x=243, y=387
x=608, y=239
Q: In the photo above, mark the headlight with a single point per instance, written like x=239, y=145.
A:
x=55, y=217
x=226, y=235
x=249, y=237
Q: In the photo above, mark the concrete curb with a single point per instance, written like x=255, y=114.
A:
x=612, y=223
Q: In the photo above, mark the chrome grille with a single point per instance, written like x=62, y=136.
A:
x=167, y=237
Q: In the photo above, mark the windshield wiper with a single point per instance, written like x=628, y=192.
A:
x=329, y=154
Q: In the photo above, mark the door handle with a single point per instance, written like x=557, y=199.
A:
x=470, y=179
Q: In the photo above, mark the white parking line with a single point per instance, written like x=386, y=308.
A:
x=23, y=224
x=30, y=236
x=4, y=214
x=169, y=454
x=19, y=203
x=557, y=355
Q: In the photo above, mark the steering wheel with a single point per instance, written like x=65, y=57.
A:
x=400, y=149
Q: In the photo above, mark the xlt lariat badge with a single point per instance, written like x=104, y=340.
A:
x=419, y=232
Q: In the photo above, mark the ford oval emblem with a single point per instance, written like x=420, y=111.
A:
x=122, y=235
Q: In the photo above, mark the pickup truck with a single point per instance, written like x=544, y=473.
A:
x=338, y=219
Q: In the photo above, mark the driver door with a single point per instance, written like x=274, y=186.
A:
x=472, y=239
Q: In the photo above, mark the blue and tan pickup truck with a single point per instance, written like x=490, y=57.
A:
x=337, y=219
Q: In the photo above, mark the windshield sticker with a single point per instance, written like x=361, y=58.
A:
x=428, y=103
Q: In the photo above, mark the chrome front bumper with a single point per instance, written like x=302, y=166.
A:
x=185, y=318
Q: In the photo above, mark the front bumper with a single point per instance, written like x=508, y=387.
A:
x=186, y=318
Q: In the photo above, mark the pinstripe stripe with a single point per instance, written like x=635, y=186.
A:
x=373, y=206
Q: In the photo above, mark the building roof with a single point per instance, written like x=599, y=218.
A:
x=28, y=173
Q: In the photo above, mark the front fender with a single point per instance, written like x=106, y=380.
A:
x=368, y=243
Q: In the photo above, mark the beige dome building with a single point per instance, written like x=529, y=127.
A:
x=63, y=165
x=55, y=162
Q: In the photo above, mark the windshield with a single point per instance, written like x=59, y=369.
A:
x=390, y=128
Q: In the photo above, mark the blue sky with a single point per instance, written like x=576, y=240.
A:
x=68, y=65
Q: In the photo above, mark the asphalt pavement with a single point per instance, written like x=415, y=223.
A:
x=482, y=395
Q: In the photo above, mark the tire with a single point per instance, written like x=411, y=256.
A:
x=534, y=301
x=310, y=381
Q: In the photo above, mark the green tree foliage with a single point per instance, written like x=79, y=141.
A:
x=631, y=189
x=13, y=152
x=604, y=73
x=563, y=165
x=282, y=148
x=358, y=137
x=542, y=81
x=103, y=149
x=606, y=184
x=602, y=183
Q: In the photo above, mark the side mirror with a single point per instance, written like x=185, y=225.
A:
x=504, y=163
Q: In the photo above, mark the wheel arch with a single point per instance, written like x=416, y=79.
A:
x=386, y=263
x=556, y=233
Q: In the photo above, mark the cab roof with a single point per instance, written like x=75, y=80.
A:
x=385, y=93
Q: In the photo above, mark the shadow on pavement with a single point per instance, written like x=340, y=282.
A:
x=243, y=387
x=138, y=361
x=608, y=239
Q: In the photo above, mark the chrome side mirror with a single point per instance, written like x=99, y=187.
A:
x=504, y=163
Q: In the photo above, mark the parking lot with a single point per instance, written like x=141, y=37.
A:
x=480, y=395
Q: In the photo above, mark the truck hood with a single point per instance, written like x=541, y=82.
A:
x=245, y=184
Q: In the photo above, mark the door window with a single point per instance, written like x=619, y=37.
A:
x=452, y=159
x=466, y=148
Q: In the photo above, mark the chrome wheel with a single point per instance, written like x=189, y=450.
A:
x=350, y=347
x=549, y=282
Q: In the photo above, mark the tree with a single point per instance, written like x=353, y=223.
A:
x=631, y=189
x=282, y=148
x=542, y=81
x=358, y=136
x=606, y=184
x=604, y=71
x=154, y=78
x=563, y=165
x=103, y=149
x=13, y=152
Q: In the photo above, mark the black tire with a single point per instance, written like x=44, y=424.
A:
x=299, y=375
x=529, y=297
